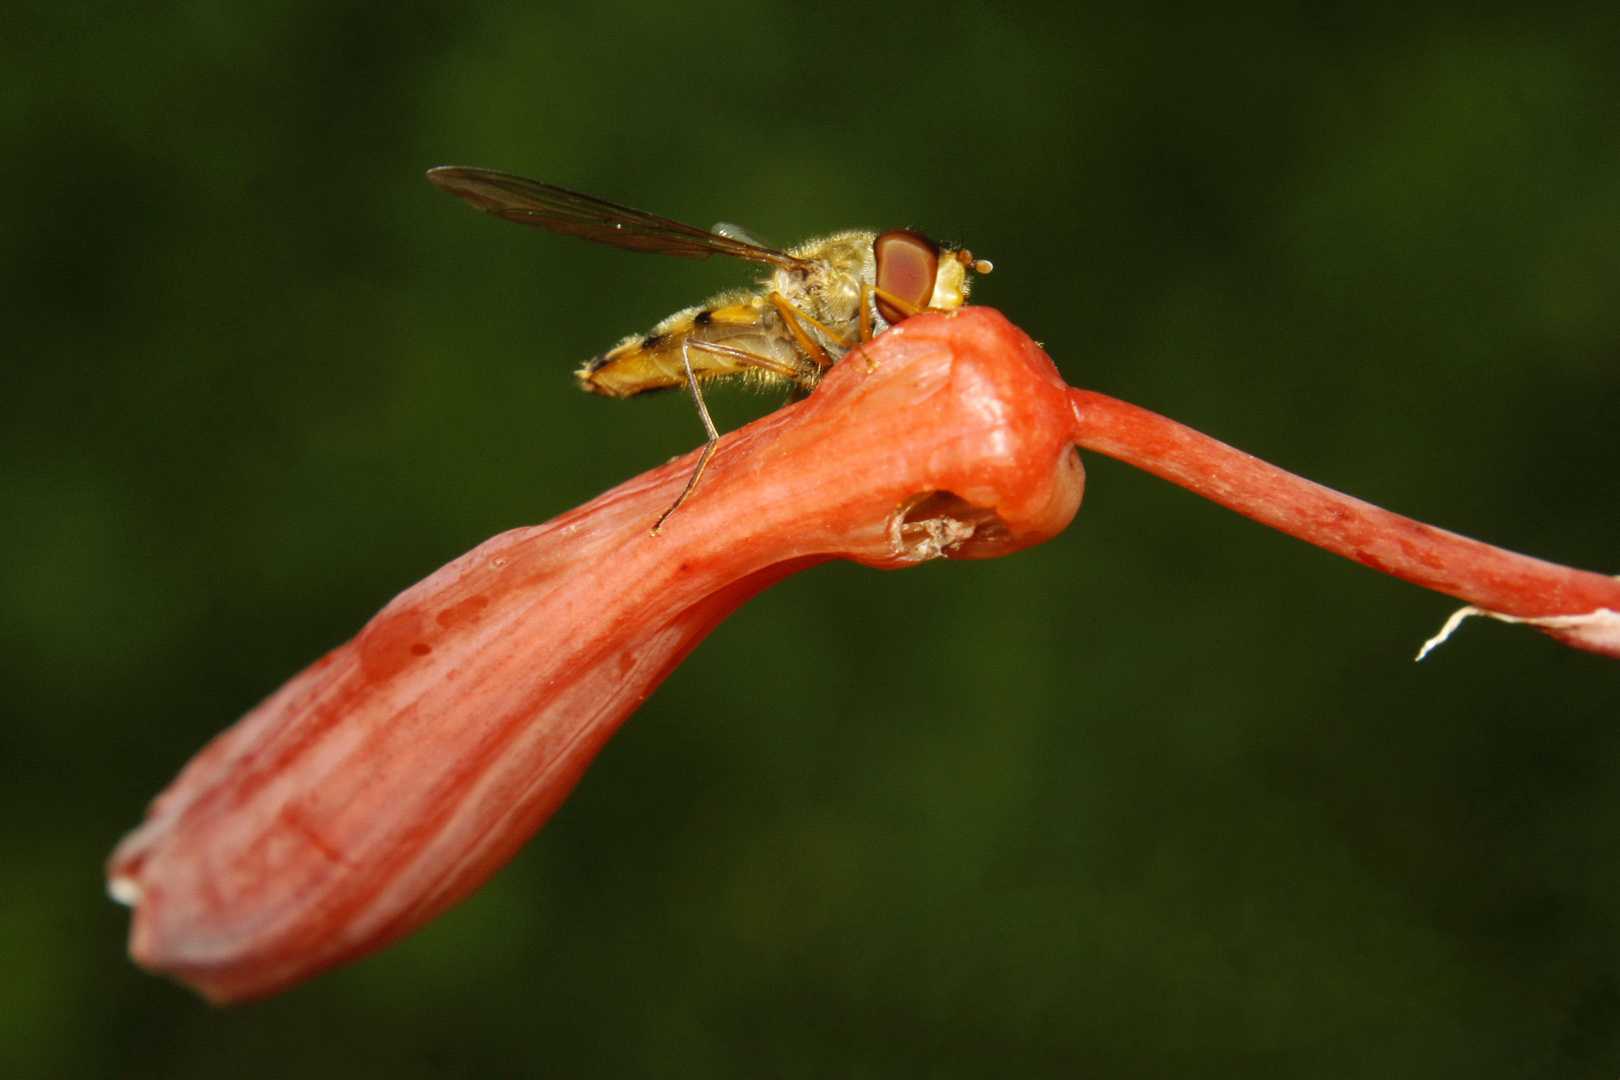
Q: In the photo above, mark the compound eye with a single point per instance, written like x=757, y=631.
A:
x=907, y=265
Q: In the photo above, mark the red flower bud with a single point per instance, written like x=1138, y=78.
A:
x=395, y=775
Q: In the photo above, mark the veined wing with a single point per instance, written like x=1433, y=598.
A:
x=547, y=206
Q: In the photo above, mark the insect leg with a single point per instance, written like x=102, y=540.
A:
x=843, y=341
x=795, y=320
x=905, y=307
x=708, y=447
x=747, y=359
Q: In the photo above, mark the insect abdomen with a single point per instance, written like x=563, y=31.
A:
x=738, y=328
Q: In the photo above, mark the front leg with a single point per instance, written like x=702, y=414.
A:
x=871, y=293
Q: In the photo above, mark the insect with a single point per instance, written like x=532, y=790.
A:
x=817, y=302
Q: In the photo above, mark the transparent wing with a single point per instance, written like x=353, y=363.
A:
x=546, y=206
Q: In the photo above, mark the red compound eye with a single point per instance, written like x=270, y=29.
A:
x=907, y=264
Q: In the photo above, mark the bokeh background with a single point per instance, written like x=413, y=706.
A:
x=1164, y=797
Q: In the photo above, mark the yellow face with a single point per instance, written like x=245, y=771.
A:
x=820, y=300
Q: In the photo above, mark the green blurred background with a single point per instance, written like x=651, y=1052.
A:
x=1164, y=797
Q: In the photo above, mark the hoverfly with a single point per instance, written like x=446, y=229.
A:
x=818, y=301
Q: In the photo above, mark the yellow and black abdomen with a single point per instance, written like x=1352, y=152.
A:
x=733, y=334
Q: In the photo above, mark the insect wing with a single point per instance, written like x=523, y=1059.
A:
x=547, y=206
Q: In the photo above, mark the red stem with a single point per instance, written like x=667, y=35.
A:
x=1490, y=577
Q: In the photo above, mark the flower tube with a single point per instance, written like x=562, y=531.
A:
x=395, y=775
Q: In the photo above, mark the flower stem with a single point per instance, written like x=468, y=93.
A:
x=1490, y=577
